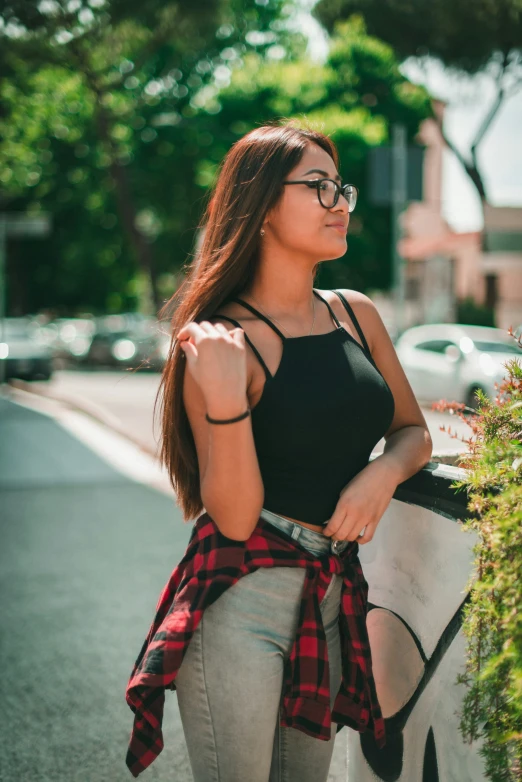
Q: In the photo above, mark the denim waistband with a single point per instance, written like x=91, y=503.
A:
x=315, y=542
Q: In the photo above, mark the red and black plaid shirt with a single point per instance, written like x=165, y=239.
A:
x=211, y=564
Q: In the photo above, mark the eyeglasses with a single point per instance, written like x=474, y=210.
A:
x=328, y=191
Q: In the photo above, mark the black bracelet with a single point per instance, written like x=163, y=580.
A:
x=227, y=420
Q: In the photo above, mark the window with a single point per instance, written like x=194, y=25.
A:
x=499, y=347
x=435, y=345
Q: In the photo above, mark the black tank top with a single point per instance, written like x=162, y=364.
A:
x=318, y=419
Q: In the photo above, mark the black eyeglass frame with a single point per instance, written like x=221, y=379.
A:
x=317, y=182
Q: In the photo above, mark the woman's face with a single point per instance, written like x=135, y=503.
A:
x=298, y=222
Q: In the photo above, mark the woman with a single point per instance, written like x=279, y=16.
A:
x=274, y=396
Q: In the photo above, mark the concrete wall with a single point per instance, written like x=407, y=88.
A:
x=417, y=567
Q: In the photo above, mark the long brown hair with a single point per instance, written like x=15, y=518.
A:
x=248, y=185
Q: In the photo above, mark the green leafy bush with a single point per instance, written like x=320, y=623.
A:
x=492, y=707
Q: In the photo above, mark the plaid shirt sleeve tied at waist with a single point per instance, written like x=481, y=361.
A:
x=211, y=564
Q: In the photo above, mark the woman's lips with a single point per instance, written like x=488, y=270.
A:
x=341, y=227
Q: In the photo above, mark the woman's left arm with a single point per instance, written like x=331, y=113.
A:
x=408, y=444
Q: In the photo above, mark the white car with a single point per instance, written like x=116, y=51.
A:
x=23, y=352
x=451, y=361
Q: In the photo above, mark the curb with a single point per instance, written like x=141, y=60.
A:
x=100, y=432
x=85, y=406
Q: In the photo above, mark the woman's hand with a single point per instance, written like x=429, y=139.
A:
x=216, y=358
x=362, y=502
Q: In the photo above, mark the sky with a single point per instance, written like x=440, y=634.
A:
x=499, y=154
x=468, y=101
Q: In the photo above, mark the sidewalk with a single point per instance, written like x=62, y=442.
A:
x=85, y=552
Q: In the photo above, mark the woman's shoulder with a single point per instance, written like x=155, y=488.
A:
x=228, y=310
x=362, y=307
x=235, y=311
x=353, y=297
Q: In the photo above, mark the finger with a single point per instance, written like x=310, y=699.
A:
x=208, y=327
x=239, y=335
x=367, y=535
x=189, y=351
x=355, y=530
x=343, y=531
x=190, y=329
x=223, y=329
x=335, y=522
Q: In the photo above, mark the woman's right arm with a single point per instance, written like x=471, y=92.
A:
x=215, y=382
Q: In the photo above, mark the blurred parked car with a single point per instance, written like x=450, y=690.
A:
x=451, y=361
x=129, y=341
x=70, y=338
x=23, y=351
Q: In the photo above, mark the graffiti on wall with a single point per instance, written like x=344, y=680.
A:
x=417, y=567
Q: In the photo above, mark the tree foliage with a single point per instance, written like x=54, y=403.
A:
x=353, y=96
x=85, y=91
x=466, y=38
x=140, y=145
x=461, y=36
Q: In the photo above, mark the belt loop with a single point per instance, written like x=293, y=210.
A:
x=296, y=532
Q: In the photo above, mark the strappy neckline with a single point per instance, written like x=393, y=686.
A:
x=267, y=320
x=271, y=378
x=349, y=309
x=287, y=340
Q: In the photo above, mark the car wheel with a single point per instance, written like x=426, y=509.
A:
x=471, y=400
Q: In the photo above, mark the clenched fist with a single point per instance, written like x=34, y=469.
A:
x=217, y=360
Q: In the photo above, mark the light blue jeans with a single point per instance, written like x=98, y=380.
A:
x=229, y=685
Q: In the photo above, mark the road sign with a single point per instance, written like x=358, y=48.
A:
x=19, y=224
x=380, y=174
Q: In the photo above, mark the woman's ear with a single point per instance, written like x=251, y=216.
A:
x=267, y=217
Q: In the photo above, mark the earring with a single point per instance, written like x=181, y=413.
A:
x=262, y=231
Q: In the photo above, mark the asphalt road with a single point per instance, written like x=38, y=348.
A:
x=129, y=398
x=85, y=553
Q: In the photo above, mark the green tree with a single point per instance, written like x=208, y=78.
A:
x=484, y=36
x=95, y=99
x=169, y=131
x=354, y=96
